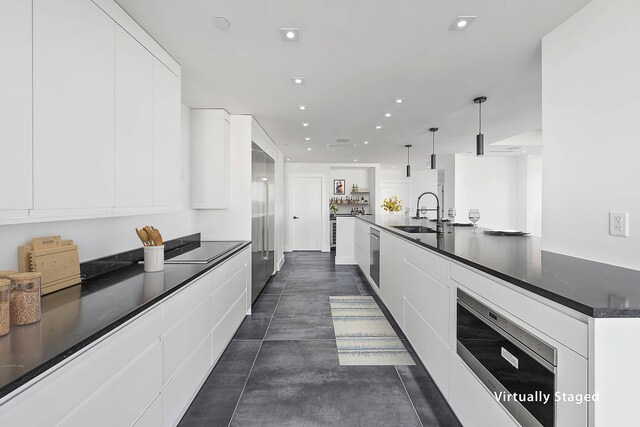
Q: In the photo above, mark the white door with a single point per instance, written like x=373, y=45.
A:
x=306, y=212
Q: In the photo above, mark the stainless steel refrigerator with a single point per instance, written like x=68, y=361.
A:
x=262, y=219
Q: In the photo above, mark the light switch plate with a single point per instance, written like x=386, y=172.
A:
x=619, y=223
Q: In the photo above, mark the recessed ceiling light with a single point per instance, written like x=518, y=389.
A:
x=305, y=124
x=221, y=23
x=461, y=23
x=288, y=159
x=387, y=114
x=307, y=138
x=524, y=151
x=355, y=160
x=309, y=149
x=399, y=100
x=302, y=107
x=393, y=167
x=297, y=80
x=290, y=34
x=378, y=127
x=365, y=142
x=354, y=145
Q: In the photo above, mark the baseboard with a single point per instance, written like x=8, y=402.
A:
x=346, y=261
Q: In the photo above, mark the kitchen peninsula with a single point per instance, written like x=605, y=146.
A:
x=578, y=307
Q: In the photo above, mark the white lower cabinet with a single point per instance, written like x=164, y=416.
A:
x=392, y=275
x=147, y=371
x=152, y=417
x=473, y=404
x=223, y=333
x=123, y=400
x=433, y=352
x=180, y=341
x=184, y=386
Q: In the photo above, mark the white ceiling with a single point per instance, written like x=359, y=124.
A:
x=357, y=56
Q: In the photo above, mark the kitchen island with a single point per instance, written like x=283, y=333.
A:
x=583, y=310
x=126, y=347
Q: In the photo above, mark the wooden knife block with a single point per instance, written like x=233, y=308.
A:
x=56, y=259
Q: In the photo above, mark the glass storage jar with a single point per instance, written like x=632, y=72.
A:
x=5, y=320
x=25, y=298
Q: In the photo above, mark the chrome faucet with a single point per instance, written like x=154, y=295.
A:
x=439, y=225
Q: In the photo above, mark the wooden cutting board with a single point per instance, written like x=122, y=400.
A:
x=57, y=260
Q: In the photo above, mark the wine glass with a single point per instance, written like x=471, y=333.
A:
x=474, y=216
x=452, y=214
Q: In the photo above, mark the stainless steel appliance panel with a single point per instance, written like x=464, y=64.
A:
x=374, y=259
x=509, y=360
x=262, y=219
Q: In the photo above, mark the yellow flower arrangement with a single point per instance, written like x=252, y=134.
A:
x=392, y=204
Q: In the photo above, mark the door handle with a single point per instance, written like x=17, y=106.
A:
x=295, y=217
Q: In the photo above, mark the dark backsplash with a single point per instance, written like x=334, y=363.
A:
x=96, y=267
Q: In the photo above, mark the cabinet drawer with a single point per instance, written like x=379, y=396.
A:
x=429, y=297
x=153, y=415
x=433, y=352
x=82, y=376
x=434, y=265
x=179, y=393
x=226, y=296
x=180, y=304
x=183, y=338
x=469, y=398
x=228, y=326
x=228, y=269
x=122, y=401
x=563, y=328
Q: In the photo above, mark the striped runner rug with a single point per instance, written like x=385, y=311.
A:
x=363, y=334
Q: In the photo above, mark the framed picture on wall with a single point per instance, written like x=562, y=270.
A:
x=339, y=187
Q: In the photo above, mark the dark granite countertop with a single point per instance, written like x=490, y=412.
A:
x=75, y=317
x=592, y=288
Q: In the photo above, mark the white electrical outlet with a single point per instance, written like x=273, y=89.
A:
x=619, y=224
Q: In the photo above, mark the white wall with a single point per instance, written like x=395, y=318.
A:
x=590, y=111
x=105, y=236
x=363, y=177
x=489, y=184
x=327, y=171
x=234, y=223
x=394, y=182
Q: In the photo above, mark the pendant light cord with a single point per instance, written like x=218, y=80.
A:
x=480, y=125
x=434, y=142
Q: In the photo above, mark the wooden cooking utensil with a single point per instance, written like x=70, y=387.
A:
x=142, y=236
x=145, y=237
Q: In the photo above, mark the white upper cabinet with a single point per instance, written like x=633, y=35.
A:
x=73, y=105
x=15, y=104
x=166, y=137
x=210, y=159
x=133, y=123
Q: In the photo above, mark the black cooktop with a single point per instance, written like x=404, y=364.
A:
x=203, y=253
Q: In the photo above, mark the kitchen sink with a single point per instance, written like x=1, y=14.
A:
x=414, y=228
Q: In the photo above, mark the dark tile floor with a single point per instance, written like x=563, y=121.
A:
x=281, y=369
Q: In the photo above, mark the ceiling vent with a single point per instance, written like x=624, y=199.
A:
x=343, y=140
x=339, y=145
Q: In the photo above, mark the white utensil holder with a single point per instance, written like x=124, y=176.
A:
x=153, y=258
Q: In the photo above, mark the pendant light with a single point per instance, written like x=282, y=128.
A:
x=480, y=137
x=433, y=154
x=408, y=161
